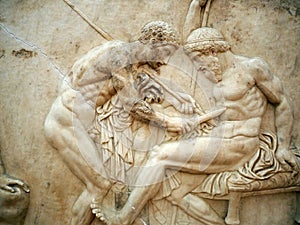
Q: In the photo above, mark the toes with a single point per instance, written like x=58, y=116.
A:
x=102, y=218
x=95, y=211
x=95, y=201
x=94, y=206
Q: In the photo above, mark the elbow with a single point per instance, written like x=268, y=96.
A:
x=49, y=129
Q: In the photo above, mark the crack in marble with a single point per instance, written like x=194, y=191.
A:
x=33, y=47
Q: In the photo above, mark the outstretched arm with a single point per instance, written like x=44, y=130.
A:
x=192, y=20
x=272, y=88
x=143, y=111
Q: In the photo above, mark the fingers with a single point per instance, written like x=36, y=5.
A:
x=184, y=127
x=96, y=210
x=174, y=129
x=8, y=188
x=11, y=181
x=16, y=182
x=25, y=188
x=187, y=108
x=188, y=104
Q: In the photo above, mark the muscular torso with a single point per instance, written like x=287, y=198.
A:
x=245, y=103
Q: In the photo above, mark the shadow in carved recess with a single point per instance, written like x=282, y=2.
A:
x=14, y=198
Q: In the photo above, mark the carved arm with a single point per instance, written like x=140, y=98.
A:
x=143, y=111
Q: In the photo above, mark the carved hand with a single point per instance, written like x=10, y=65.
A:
x=143, y=111
x=199, y=2
x=9, y=183
x=288, y=160
x=186, y=104
x=185, y=125
x=180, y=125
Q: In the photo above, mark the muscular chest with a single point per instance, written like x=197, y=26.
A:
x=234, y=85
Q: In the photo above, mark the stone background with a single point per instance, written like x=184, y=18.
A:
x=41, y=39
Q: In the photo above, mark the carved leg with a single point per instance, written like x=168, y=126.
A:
x=199, y=209
x=64, y=137
x=81, y=209
x=192, y=205
x=297, y=218
x=111, y=217
x=233, y=217
x=129, y=213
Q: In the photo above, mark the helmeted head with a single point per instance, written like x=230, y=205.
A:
x=206, y=40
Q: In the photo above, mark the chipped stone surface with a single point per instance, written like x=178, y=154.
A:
x=40, y=41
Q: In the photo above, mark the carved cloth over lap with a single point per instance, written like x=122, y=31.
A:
x=262, y=171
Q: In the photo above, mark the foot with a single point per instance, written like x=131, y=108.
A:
x=110, y=217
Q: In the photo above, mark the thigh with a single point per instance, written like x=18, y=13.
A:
x=182, y=154
x=188, y=149
x=206, y=154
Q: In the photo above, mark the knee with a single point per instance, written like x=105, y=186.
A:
x=158, y=154
x=50, y=130
x=53, y=132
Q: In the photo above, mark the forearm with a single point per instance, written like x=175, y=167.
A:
x=192, y=20
x=283, y=123
x=143, y=112
x=106, y=93
x=112, y=86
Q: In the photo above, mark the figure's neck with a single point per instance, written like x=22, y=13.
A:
x=226, y=60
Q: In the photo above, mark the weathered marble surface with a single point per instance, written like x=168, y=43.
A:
x=54, y=37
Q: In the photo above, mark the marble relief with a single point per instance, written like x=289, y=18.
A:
x=125, y=124
x=160, y=126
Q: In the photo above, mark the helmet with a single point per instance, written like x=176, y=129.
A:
x=206, y=40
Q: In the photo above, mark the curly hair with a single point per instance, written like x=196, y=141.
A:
x=158, y=32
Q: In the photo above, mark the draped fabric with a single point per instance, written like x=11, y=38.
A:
x=114, y=125
x=262, y=171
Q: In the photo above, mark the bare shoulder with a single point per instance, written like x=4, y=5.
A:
x=252, y=63
x=257, y=67
x=92, y=58
x=93, y=55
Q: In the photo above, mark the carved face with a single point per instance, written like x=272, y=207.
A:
x=162, y=53
x=214, y=65
x=210, y=67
